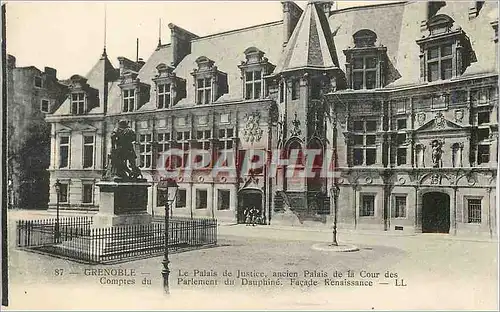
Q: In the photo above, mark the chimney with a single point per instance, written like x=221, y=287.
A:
x=180, y=43
x=140, y=63
x=11, y=61
x=51, y=72
x=291, y=16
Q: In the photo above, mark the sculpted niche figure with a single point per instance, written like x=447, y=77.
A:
x=121, y=163
x=437, y=152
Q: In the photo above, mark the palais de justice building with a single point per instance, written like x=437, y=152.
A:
x=405, y=94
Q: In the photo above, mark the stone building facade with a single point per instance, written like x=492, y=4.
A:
x=31, y=95
x=403, y=95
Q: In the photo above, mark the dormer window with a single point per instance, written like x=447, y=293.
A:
x=82, y=97
x=169, y=88
x=128, y=100
x=439, y=62
x=210, y=83
x=78, y=103
x=445, y=52
x=365, y=64
x=253, y=84
x=164, y=95
x=204, y=91
x=134, y=92
x=253, y=70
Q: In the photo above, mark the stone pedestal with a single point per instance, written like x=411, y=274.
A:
x=122, y=203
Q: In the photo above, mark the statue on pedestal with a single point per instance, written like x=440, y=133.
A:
x=121, y=162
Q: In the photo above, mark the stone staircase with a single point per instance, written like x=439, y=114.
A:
x=314, y=209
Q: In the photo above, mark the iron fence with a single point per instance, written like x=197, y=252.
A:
x=75, y=238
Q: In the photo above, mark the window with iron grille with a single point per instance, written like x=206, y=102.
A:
x=367, y=206
x=88, y=193
x=145, y=153
x=439, y=62
x=164, y=95
x=63, y=151
x=78, y=103
x=400, y=207
x=201, y=199
x=364, y=72
x=223, y=199
x=364, y=142
x=253, y=84
x=473, y=210
x=204, y=91
x=88, y=151
x=128, y=100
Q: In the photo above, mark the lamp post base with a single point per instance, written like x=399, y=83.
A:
x=165, y=273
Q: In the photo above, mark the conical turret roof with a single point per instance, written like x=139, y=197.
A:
x=311, y=44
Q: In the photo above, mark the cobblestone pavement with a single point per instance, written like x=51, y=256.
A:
x=439, y=273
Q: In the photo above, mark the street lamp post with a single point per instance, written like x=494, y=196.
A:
x=57, y=186
x=171, y=187
x=335, y=190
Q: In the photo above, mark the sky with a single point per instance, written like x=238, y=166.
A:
x=69, y=36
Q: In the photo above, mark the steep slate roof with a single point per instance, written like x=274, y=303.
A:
x=311, y=44
x=397, y=26
x=102, y=71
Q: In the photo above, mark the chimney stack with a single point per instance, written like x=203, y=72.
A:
x=180, y=43
x=51, y=72
x=291, y=16
x=11, y=61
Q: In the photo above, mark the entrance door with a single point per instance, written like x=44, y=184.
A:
x=435, y=213
x=248, y=199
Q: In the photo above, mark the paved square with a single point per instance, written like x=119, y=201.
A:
x=439, y=273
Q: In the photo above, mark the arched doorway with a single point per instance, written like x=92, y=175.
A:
x=250, y=198
x=435, y=213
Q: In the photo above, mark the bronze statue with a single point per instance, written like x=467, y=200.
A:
x=121, y=163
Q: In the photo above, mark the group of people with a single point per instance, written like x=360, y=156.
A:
x=252, y=216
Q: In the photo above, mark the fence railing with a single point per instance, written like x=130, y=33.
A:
x=75, y=238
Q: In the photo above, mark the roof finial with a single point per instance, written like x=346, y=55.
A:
x=104, y=54
x=159, y=32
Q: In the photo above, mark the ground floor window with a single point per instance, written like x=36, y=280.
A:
x=201, y=199
x=63, y=193
x=400, y=207
x=474, y=210
x=181, y=199
x=367, y=206
x=88, y=193
x=223, y=199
